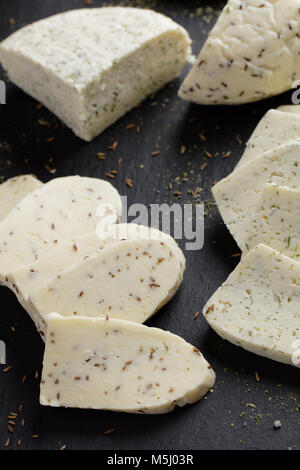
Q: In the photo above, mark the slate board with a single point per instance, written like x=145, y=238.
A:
x=224, y=420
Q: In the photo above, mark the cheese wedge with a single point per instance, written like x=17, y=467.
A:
x=237, y=196
x=130, y=280
x=15, y=189
x=276, y=222
x=91, y=66
x=288, y=108
x=120, y=366
x=257, y=307
x=274, y=129
x=59, y=211
x=26, y=280
x=251, y=53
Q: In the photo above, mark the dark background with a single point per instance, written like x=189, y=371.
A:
x=240, y=412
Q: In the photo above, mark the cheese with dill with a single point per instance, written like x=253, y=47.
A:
x=274, y=129
x=257, y=307
x=14, y=190
x=59, y=211
x=237, y=196
x=26, y=280
x=276, y=222
x=91, y=66
x=251, y=53
x=130, y=280
x=120, y=366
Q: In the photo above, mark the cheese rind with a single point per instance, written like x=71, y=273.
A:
x=257, y=307
x=273, y=130
x=14, y=190
x=251, y=53
x=120, y=366
x=130, y=280
x=237, y=195
x=59, y=211
x=91, y=66
x=276, y=222
x=290, y=108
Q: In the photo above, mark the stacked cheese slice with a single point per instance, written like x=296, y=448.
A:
x=62, y=251
x=258, y=306
x=91, y=66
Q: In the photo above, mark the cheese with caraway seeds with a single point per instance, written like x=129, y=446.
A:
x=276, y=222
x=258, y=306
x=237, y=196
x=251, y=53
x=14, y=190
x=59, y=211
x=26, y=280
x=118, y=365
x=273, y=130
x=130, y=280
x=290, y=108
x=91, y=66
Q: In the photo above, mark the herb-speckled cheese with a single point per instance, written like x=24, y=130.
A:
x=257, y=307
x=237, y=196
x=27, y=280
x=274, y=129
x=129, y=280
x=276, y=222
x=59, y=211
x=120, y=366
x=91, y=66
x=14, y=190
x=251, y=53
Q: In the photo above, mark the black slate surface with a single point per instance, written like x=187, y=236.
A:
x=240, y=412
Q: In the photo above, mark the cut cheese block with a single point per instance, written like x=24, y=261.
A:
x=59, y=211
x=120, y=366
x=258, y=307
x=91, y=66
x=26, y=280
x=276, y=222
x=274, y=129
x=130, y=280
x=15, y=189
x=237, y=196
x=251, y=53
x=288, y=108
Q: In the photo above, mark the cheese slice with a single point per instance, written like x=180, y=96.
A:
x=257, y=307
x=274, y=129
x=26, y=280
x=120, y=366
x=276, y=222
x=290, y=108
x=251, y=53
x=130, y=280
x=237, y=196
x=59, y=211
x=15, y=189
x=91, y=66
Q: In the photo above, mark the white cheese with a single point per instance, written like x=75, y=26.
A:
x=274, y=129
x=15, y=189
x=120, y=366
x=276, y=222
x=26, y=280
x=59, y=211
x=129, y=280
x=290, y=108
x=251, y=53
x=237, y=196
x=257, y=307
x=91, y=66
